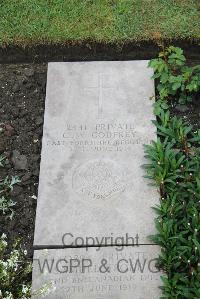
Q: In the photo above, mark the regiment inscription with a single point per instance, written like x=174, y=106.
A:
x=99, y=179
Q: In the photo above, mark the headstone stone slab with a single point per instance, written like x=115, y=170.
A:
x=131, y=273
x=97, y=118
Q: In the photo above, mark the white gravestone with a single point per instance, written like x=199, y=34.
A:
x=97, y=118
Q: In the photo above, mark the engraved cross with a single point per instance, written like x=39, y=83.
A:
x=100, y=92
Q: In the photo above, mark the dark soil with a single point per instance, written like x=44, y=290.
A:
x=90, y=50
x=22, y=98
x=190, y=113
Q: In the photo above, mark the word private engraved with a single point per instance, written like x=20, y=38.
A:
x=99, y=179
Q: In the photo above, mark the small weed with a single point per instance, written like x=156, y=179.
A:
x=2, y=160
x=6, y=187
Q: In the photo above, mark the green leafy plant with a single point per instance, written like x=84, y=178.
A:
x=176, y=80
x=174, y=167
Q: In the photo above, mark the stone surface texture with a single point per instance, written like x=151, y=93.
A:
x=97, y=118
x=77, y=273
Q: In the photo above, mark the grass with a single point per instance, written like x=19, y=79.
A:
x=25, y=22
